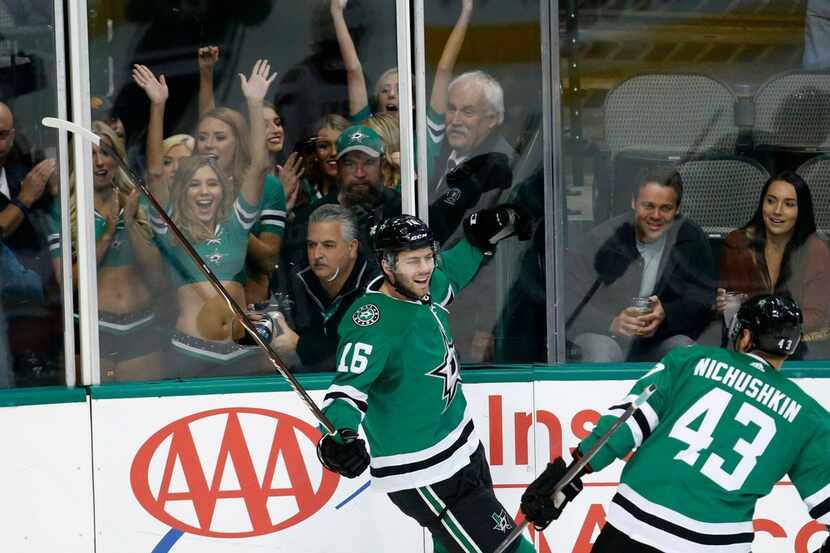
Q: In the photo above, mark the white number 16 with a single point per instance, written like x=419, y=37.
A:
x=360, y=358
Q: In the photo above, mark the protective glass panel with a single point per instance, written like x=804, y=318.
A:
x=484, y=148
x=193, y=137
x=693, y=147
x=31, y=323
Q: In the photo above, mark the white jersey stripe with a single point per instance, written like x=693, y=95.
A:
x=660, y=539
x=636, y=432
x=818, y=497
x=414, y=457
x=679, y=519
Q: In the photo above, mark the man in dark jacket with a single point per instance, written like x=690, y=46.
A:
x=656, y=258
x=322, y=292
x=476, y=168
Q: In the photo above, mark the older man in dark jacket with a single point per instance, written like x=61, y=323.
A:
x=642, y=284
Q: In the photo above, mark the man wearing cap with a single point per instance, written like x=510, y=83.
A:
x=360, y=182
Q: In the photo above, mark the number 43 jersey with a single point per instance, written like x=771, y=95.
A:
x=399, y=375
x=722, y=428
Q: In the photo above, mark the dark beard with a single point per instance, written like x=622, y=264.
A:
x=368, y=198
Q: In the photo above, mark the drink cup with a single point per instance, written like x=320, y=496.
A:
x=733, y=304
x=642, y=304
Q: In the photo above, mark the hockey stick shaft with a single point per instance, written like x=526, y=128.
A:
x=240, y=314
x=580, y=463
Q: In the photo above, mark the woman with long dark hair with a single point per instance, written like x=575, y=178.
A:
x=778, y=252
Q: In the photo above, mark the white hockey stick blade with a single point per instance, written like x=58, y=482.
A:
x=642, y=398
x=69, y=126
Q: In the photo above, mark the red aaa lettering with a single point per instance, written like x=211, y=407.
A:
x=204, y=491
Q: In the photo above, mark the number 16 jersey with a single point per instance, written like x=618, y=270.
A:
x=722, y=428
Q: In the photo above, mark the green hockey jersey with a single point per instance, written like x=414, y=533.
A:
x=398, y=374
x=722, y=428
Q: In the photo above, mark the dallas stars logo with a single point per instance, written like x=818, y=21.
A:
x=450, y=371
x=357, y=136
x=502, y=521
x=215, y=258
x=116, y=244
x=366, y=315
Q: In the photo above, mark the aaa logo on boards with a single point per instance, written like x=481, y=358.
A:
x=204, y=474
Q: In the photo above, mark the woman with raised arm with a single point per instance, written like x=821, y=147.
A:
x=163, y=154
x=217, y=217
x=128, y=265
x=779, y=252
x=219, y=134
x=386, y=89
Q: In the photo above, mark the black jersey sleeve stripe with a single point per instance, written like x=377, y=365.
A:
x=821, y=509
x=362, y=405
x=679, y=531
x=426, y=463
x=642, y=422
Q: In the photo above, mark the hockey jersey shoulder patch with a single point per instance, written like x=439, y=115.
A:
x=366, y=315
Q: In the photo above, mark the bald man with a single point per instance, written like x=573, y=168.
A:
x=19, y=186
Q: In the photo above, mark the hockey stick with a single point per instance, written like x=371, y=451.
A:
x=278, y=364
x=580, y=463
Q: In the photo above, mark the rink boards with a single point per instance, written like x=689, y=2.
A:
x=217, y=468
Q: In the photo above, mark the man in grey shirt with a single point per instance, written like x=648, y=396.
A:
x=654, y=253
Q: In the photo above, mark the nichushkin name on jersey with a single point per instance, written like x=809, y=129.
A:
x=752, y=387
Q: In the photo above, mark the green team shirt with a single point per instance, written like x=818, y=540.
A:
x=398, y=374
x=120, y=252
x=272, y=208
x=722, y=428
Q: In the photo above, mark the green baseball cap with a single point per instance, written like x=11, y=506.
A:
x=359, y=138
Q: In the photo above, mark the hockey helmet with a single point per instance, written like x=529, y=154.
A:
x=774, y=322
x=402, y=233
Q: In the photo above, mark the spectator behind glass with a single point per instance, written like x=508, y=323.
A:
x=322, y=292
x=389, y=130
x=655, y=253
x=778, y=252
x=265, y=240
x=127, y=267
x=360, y=164
x=22, y=209
x=476, y=167
x=385, y=99
x=217, y=216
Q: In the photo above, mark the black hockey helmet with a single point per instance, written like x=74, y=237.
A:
x=774, y=321
x=402, y=233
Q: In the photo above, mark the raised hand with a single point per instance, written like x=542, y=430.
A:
x=290, y=175
x=466, y=6
x=338, y=5
x=208, y=56
x=131, y=208
x=256, y=86
x=156, y=89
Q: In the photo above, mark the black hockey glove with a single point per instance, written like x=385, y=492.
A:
x=349, y=458
x=825, y=547
x=486, y=227
x=538, y=505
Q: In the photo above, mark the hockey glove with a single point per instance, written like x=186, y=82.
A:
x=485, y=228
x=537, y=504
x=825, y=547
x=347, y=457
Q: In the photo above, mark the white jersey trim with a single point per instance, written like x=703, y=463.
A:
x=625, y=522
x=669, y=515
x=817, y=499
x=416, y=456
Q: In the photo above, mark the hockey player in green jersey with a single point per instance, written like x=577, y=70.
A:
x=722, y=428
x=399, y=376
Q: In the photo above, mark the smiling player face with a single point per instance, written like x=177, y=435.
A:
x=413, y=271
